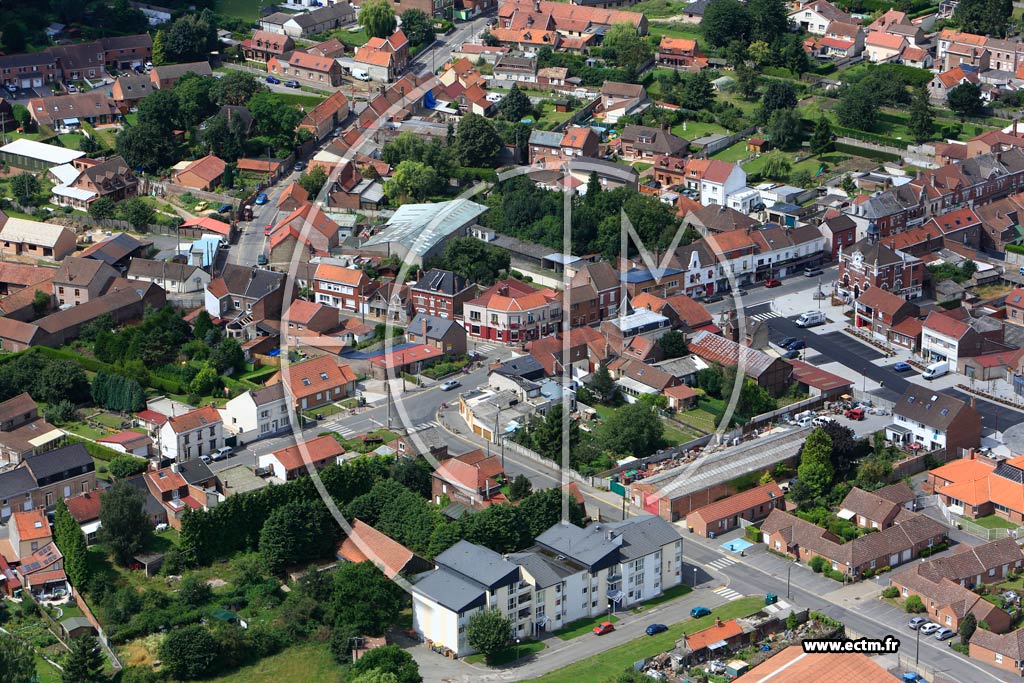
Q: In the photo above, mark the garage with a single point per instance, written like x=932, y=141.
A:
x=26, y=83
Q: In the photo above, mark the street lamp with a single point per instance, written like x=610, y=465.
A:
x=694, y=577
x=517, y=649
x=917, y=653
x=789, y=570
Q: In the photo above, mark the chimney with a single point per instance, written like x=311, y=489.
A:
x=424, y=341
x=536, y=6
x=718, y=622
x=177, y=469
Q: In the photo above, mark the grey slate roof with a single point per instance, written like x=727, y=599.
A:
x=588, y=546
x=546, y=138
x=275, y=392
x=449, y=589
x=546, y=571
x=643, y=535
x=195, y=471
x=16, y=482
x=60, y=460
x=440, y=281
x=437, y=328
x=928, y=406
x=479, y=564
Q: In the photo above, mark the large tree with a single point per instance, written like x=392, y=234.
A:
x=70, y=540
x=188, y=39
x=602, y=385
x=630, y=50
x=515, y=105
x=146, y=147
x=84, y=662
x=921, y=116
x=673, y=344
x=769, y=19
x=634, y=429
x=965, y=99
x=378, y=18
x=296, y=533
x=412, y=181
x=390, y=659
x=785, y=128
x=489, y=631
x=312, y=181
x=477, y=141
x=473, y=259
x=236, y=87
x=365, y=598
x=778, y=94
x=125, y=528
x=189, y=652
x=984, y=17
x=417, y=27
x=815, y=469
x=857, y=107
x=822, y=141
x=17, y=662
x=697, y=92
x=725, y=21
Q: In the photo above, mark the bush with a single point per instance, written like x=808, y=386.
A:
x=913, y=605
x=753, y=534
x=938, y=548
x=124, y=466
x=961, y=648
x=817, y=564
x=891, y=592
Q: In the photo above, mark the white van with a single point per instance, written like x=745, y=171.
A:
x=811, y=318
x=936, y=370
x=360, y=75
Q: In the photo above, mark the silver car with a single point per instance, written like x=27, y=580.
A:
x=944, y=634
x=929, y=628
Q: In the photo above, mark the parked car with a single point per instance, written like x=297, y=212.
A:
x=790, y=355
x=205, y=459
x=292, y=84
x=275, y=81
x=449, y=385
x=944, y=634
x=300, y=166
x=854, y=414
x=916, y=623
x=811, y=318
x=262, y=260
x=261, y=199
x=772, y=282
x=813, y=272
x=494, y=97
x=797, y=345
x=787, y=341
x=222, y=453
x=901, y=367
x=699, y=612
x=201, y=206
x=929, y=628
x=224, y=208
x=821, y=421
x=603, y=628
x=654, y=629
x=267, y=230
x=11, y=88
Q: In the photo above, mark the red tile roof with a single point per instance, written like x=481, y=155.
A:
x=713, y=634
x=209, y=168
x=366, y=543
x=84, y=507
x=733, y=505
x=32, y=525
x=313, y=451
x=151, y=416
x=946, y=325
x=194, y=419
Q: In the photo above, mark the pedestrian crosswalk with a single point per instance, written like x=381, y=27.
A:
x=761, y=317
x=340, y=429
x=727, y=593
x=425, y=425
x=485, y=348
x=722, y=563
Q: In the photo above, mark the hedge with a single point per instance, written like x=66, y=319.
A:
x=94, y=449
x=155, y=381
x=866, y=153
x=1015, y=248
x=868, y=137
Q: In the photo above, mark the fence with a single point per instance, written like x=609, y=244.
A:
x=525, y=452
x=123, y=226
x=967, y=525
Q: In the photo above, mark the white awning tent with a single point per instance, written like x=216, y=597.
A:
x=91, y=527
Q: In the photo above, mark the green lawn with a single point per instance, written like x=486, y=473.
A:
x=616, y=660
x=657, y=9
x=670, y=594
x=351, y=39
x=676, y=433
x=699, y=418
x=582, y=627
x=994, y=522
x=70, y=140
x=307, y=101
x=46, y=672
x=735, y=153
x=691, y=130
x=83, y=429
x=249, y=10
x=512, y=654
x=312, y=662
x=691, y=31
x=641, y=166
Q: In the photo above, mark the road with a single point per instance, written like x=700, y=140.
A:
x=857, y=356
x=438, y=55
x=252, y=242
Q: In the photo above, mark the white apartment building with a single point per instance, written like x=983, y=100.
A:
x=197, y=432
x=570, y=574
x=257, y=414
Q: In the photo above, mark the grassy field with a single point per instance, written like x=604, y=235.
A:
x=676, y=433
x=699, y=418
x=351, y=39
x=611, y=663
x=302, y=663
x=735, y=153
x=675, y=31
x=582, y=626
x=249, y=10
x=46, y=672
x=658, y=9
x=670, y=594
x=307, y=101
x=512, y=654
x=691, y=130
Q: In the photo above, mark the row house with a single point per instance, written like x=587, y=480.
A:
x=60, y=473
x=257, y=414
x=884, y=47
x=954, y=335
x=976, y=486
x=187, y=485
x=681, y=52
x=843, y=39
x=23, y=431
x=33, y=70
x=196, y=433
x=604, y=280
x=264, y=45
x=890, y=318
x=878, y=509
x=384, y=58
x=934, y=421
x=441, y=293
x=512, y=311
x=724, y=515
x=343, y=288
x=643, y=143
x=716, y=219
x=242, y=297
x=902, y=542
x=870, y=263
x=815, y=16
x=307, y=69
x=575, y=141
x=315, y=382
x=471, y=479
x=70, y=111
x=307, y=229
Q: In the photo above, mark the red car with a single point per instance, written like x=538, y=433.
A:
x=267, y=230
x=605, y=627
x=855, y=413
x=772, y=282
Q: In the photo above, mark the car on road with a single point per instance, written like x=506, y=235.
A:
x=262, y=260
x=901, y=367
x=787, y=341
x=201, y=206
x=929, y=628
x=944, y=634
x=300, y=166
x=292, y=84
x=267, y=230
x=273, y=81
x=697, y=612
x=261, y=199
x=772, y=282
x=603, y=628
x=813, y=272
x=655, y=629
x=797, y=345
x=450, y=384
x=916, y=623
x=790, y=355
x=222, y=453
x=854, y=414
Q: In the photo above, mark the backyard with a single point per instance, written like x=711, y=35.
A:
x=307, y=662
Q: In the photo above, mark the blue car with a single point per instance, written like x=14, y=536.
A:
x=797, y=345
x=699, y=612
x=790, y=355
x=275, y=81
x=655, y=629
x=901, y=367
x=261, y=198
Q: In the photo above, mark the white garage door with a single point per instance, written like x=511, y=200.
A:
x=26, y=83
